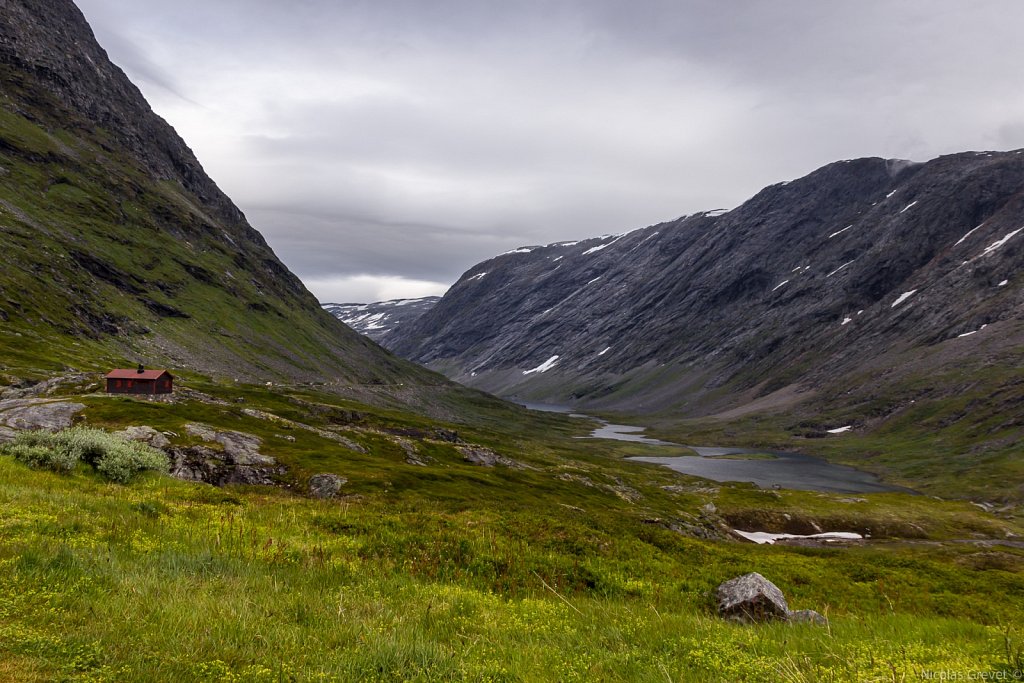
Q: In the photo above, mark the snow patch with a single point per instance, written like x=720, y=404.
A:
x=908, y=206
x=520, y=250
x=839, y=268
x=847, y=320
x=903, y=297
x=717, y=212
x=763, y=537
x=840, y=232
x=594, y=280
x=543, y=367
x=891, y=193
x=840, y=430
x=968, y=334
x=780, y=284
x=998, y=244
x=1003, y=283
x=478, y=276
x=969, y=233
x=605, y=351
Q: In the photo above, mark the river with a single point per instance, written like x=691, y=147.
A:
x=767, y=469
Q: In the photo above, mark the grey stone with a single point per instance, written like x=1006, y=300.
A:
x=485, y=457
x=806, y=616
x=325, y=485
x=146, y=435
x=7, y=435
x=242, y=448
x=752, y=598
x=203, y=464
x=37, y=414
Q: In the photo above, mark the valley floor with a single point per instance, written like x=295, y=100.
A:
x=579, y=567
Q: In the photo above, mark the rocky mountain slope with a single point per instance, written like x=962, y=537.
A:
x=865, y=277
x=118, y=247
x=379, y=319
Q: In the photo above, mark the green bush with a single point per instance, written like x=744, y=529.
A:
x=40, y=456
x=114, y=457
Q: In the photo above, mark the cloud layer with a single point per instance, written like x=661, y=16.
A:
x=385, y=147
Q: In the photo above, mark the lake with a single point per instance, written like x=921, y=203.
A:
x=769, y=469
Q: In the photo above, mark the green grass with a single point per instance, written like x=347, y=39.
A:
x=457, y=572
x=164, y=580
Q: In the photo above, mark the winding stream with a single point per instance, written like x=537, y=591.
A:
x=767, y=469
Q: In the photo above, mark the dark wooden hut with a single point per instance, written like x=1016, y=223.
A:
x=139, y=381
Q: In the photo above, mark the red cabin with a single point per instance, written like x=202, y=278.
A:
x=139, y=381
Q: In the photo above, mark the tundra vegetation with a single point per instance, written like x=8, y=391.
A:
x=575, y=565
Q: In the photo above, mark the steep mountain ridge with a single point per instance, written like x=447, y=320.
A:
x=809, y=286
x=118, y=245
x=378, y=319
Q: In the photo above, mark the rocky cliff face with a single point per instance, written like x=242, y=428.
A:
x=855, y=273
x=119, y=246
x=378, y=320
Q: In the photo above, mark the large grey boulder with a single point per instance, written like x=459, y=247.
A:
x=752, y=598
x=325, y=485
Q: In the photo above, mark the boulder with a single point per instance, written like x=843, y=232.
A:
x=807, y=616
x=325, y=485
x=146, y=435
x=752, y=598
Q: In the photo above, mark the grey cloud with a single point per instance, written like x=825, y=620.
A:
x=489, y=125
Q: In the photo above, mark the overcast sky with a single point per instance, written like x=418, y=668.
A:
x=383, y=147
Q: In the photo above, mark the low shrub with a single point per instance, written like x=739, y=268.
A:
x=40, y=456
x=116, y=458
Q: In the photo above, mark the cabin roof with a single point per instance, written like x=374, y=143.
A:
x=135, y=374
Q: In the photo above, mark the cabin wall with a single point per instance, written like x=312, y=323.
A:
x=140, y=386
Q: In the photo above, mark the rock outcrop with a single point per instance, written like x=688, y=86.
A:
x=146, y=435
x=237, y=461
x=16, y=414
x=485, y=457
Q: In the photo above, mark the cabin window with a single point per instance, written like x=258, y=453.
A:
x=117, y=384
x=129, y=384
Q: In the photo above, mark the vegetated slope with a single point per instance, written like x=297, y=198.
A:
x=377, y=320
x=117, y=245
x=864, y=274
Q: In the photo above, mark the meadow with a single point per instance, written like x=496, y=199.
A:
x=579, y=567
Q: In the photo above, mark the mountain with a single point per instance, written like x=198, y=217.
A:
x=379, y=319
x=851, y=290
x=119, y=248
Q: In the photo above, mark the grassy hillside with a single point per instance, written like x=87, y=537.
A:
x=579, y=566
